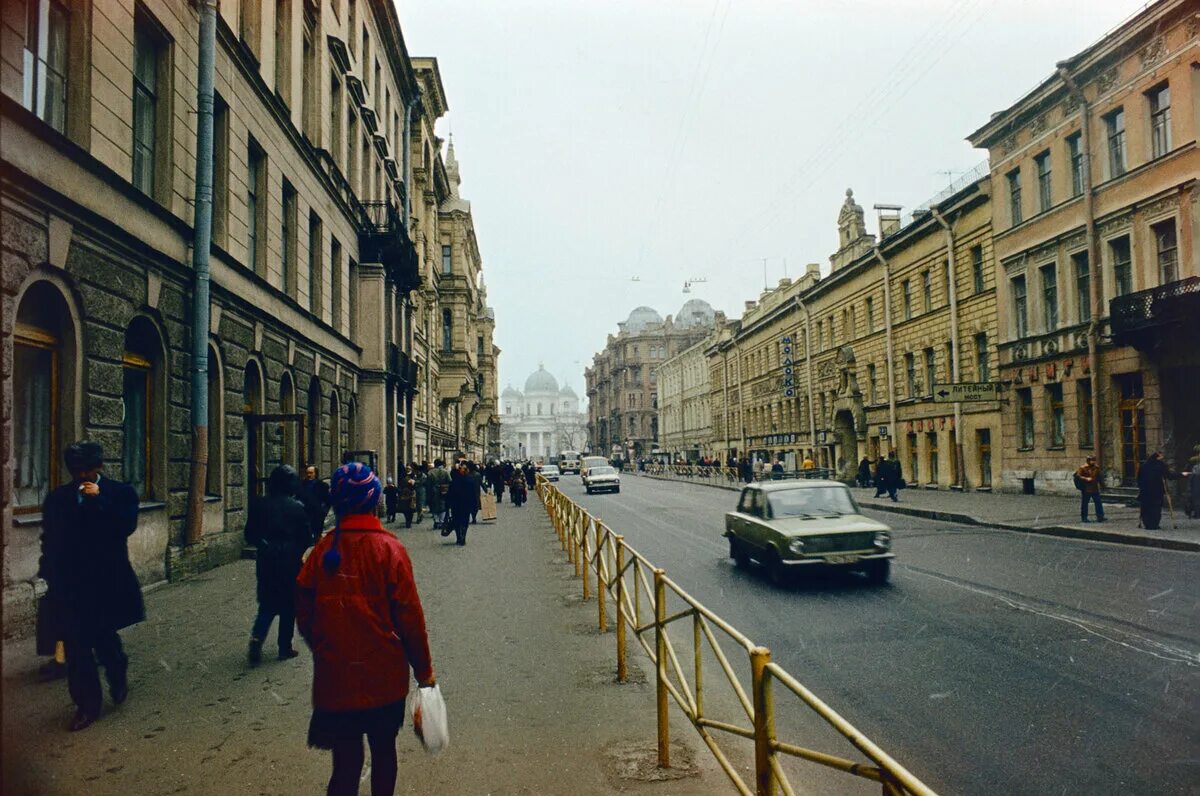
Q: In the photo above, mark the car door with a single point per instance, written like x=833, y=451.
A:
x=738, y=521
x=755, y=529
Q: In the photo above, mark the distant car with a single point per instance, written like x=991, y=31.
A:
x=602, y=479
x=589, y=462
x=549, y=472
x=791, y=526
x=568, y=461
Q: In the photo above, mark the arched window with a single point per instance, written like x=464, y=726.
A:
x=144, y=393
x=287, y=428
x=252, y=405
x=215, y=481
x=312, y=445
x=43, y=373
x=335, y=431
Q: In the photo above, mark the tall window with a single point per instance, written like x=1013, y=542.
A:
x=446, y=260
x=1025, y=419
x=283, y=50
x=872, y=383
x=906, y=290
x=314, y=264
x=1083, y=285
x=351, y=23
x=1058, y=428
x=352, y=298
x=352, y=151
x=148, y=49
x=870, y=314
x=335, y=282
x=47, y=24
x=1075, y=155
x=930, y=370
x=311, y=119
x=927, y=290
x=1043, y=173
x=1014, y=196
x=910, y=372
x=248, y=21
x=141, y=396
x=977, y=267
x=1122, y=265
x=256, y=185
x=1167, y=251
x=982, y=371
x=931, y=442
x=1160, y=120
x=820, y=335
x=1114, y=125
x=1083, y=404
x=287, y=243
x=335, y=117
x=983, y=439
x=479, y=347
x=1049, y=277
x=447, y=330
x=220, y=205
x=1020, y=305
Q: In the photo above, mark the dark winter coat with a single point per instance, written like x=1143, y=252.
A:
x=391, y=496
x=1151, y=476
x=314, y=495
x=434, y=497
x=463, y=496
x=279, y=527
x=85, y=557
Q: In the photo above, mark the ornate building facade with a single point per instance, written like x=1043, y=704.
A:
x=685, y=404
x=1096, y=233
x=323, y=276
x=541, y=421
x=622, y=383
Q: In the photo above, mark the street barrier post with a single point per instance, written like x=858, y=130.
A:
x=583, y=556
x=622, y=672
x=600, y=585
x=660, y=666
x=764, y=722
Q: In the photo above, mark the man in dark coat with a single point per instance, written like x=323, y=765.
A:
x=86, y=525
x=476, y=476
x=278, y=526
x=462, y=500
x=314, y=494
x=1152, y=487
x=864, y=472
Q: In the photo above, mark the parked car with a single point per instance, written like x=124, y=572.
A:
x=587, y=463
x=794, y=526
x=602, y=479
x=549, y=472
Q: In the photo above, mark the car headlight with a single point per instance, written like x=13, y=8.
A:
x=883, y=540
x=796, y=546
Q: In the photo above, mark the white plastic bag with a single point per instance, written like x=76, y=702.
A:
x=429, y=719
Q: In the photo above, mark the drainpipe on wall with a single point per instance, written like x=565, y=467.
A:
x=201, y=245
x=960, y=470
x=1089, y=210
x=891, y=354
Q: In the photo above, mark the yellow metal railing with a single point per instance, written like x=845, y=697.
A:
x=639, y=591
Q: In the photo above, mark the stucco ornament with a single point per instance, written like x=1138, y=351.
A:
x=848, y=373
x=851, y=223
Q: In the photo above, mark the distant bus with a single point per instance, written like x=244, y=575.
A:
x=568, y=462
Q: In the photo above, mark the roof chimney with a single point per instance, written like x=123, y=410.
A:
x=751, y=305
x=889, y=219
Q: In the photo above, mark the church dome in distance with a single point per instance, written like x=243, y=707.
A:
x=696, y=313
x=541, y=381
x=511, y=392
x=567, y=392
x=640, y=318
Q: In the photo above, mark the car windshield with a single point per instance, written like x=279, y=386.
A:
x=550, y=468
x=811, y=501
x=602, y=471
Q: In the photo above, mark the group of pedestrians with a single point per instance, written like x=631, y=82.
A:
x=353, y=599
x=1152, y=477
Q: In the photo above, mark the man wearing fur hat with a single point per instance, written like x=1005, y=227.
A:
x=86, y=524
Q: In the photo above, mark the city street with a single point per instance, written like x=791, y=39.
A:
x=995, y=662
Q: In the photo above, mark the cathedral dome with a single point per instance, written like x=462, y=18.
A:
x=567, y=392
x=695, y=314
x=511, y=392
x=640, y=318
x=541, y=382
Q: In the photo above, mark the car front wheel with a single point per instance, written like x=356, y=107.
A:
x=776, y=571
x=879, y=572
x=737, y=551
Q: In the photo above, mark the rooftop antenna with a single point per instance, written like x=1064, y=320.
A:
x=695, y=280
x=764, y=273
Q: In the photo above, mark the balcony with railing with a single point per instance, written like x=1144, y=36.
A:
x=383, y=239
x=402, y=368
x=1148, y=317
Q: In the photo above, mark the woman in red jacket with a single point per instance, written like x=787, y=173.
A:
x=358, y=609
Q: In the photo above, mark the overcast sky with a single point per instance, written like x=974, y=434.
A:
x=603, y=141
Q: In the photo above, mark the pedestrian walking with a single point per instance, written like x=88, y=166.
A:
x=777, y=470
x=391, y=498
x=419, y=473
x=519, y=490
x=407, y=497
x=314, y=494
x=358, y=609
x=437, y=484
x=463, y=501
x=278, y=527
x=864, y=472
x=888, y=477
x=86, y=525
x=1087, y=481
x=477, y=479
x=1152, y=489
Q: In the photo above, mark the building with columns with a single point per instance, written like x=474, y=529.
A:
x=542, y=420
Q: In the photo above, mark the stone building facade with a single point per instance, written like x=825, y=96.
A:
x=541, y=421
x=311, y=336
x=622, y=383
x=1096, y=230
x=845, y=366
x=685, y=404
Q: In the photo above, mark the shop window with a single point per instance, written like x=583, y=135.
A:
x=931, y=440
x=983, y=440
x=1054, y=406
x=1025, y=417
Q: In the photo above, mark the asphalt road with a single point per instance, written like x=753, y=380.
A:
x=995, y=662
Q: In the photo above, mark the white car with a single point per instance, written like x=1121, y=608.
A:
x=549, y=472
x=588, y=463
x=602, y=479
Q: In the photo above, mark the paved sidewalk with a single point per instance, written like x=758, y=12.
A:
x=1045, y=514
x=529, y=682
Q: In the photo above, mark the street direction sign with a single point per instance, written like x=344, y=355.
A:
x=966, y=391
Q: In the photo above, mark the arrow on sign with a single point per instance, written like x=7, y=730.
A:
x=942, y=393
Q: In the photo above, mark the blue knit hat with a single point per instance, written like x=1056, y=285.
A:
x=353, y=489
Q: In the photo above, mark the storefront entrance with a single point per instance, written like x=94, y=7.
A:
x=1133, y=426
